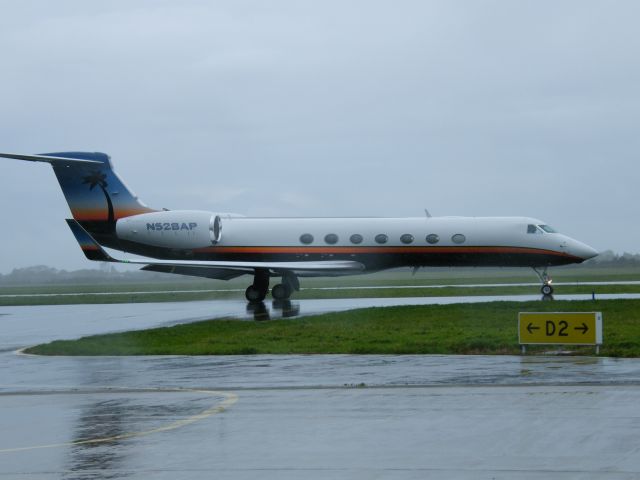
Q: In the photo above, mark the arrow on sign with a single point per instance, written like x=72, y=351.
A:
x=531, y=328
x=583, y=328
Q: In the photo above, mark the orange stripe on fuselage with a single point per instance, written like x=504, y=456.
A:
x=378, y=250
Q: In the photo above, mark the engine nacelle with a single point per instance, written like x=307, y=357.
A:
x=179, y=229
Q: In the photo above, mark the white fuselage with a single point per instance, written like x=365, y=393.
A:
x=415, y=241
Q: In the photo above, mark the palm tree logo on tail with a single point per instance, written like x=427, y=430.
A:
x=99, y=179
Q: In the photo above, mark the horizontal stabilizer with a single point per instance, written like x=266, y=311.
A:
x=46, y=158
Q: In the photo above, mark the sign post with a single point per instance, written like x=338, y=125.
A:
x=560, y=328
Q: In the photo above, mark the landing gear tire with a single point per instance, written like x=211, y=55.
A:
x=281, y=291
x=546, y=289
x=254, y=294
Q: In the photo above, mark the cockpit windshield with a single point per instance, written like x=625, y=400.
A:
x=547, y=228
x=539, y=229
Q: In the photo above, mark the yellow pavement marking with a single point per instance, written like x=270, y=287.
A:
x=229, y=400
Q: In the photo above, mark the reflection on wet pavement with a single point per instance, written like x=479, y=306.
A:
x=96, y=420
x=280, y=309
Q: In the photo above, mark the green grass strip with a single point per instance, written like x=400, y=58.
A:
x=486, y=328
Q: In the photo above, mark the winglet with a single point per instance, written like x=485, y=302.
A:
x=92, y=250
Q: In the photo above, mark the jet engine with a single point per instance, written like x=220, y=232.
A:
x=179, y=229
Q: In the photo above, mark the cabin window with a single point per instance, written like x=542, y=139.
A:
x=458, y=238
x=548, y=229
x=432, y=238
x=306, y=238
x=331, y=238
x=381, y=238
x=356, y=238
x=406, y=238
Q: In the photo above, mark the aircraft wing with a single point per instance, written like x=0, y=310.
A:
x=215, y=273
x=213, y=269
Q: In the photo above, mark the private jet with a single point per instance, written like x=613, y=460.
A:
x=224, y=246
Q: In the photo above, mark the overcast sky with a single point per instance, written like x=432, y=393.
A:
x=326, y=108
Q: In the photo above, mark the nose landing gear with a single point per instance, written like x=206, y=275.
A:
x=546, y=289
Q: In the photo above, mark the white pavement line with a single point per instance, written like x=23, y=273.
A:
x=474, y=285
x=154, y=292
x=355, y=287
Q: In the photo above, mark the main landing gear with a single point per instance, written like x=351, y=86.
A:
x=290, y=283
x=546, y=289
x=257, y=292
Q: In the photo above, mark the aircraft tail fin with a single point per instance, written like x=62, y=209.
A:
x=96, y=195
x=91, y=249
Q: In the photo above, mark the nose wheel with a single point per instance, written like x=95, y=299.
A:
x=546, y=288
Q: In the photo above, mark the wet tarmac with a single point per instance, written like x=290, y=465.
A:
x=312, y=416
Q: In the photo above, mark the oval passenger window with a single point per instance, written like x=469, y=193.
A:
x=381, y=238
x=331, y=238
x=306, y=238
x=406, y=238
x=458, y=238
x=433, y=238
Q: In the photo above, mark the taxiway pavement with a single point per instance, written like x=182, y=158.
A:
x=325, y=416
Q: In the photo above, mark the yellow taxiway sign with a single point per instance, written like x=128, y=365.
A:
x=567, y=328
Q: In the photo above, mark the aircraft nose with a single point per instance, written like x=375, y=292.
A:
x=582, y=250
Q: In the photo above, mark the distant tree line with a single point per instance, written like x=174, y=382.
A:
x=609, y=258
